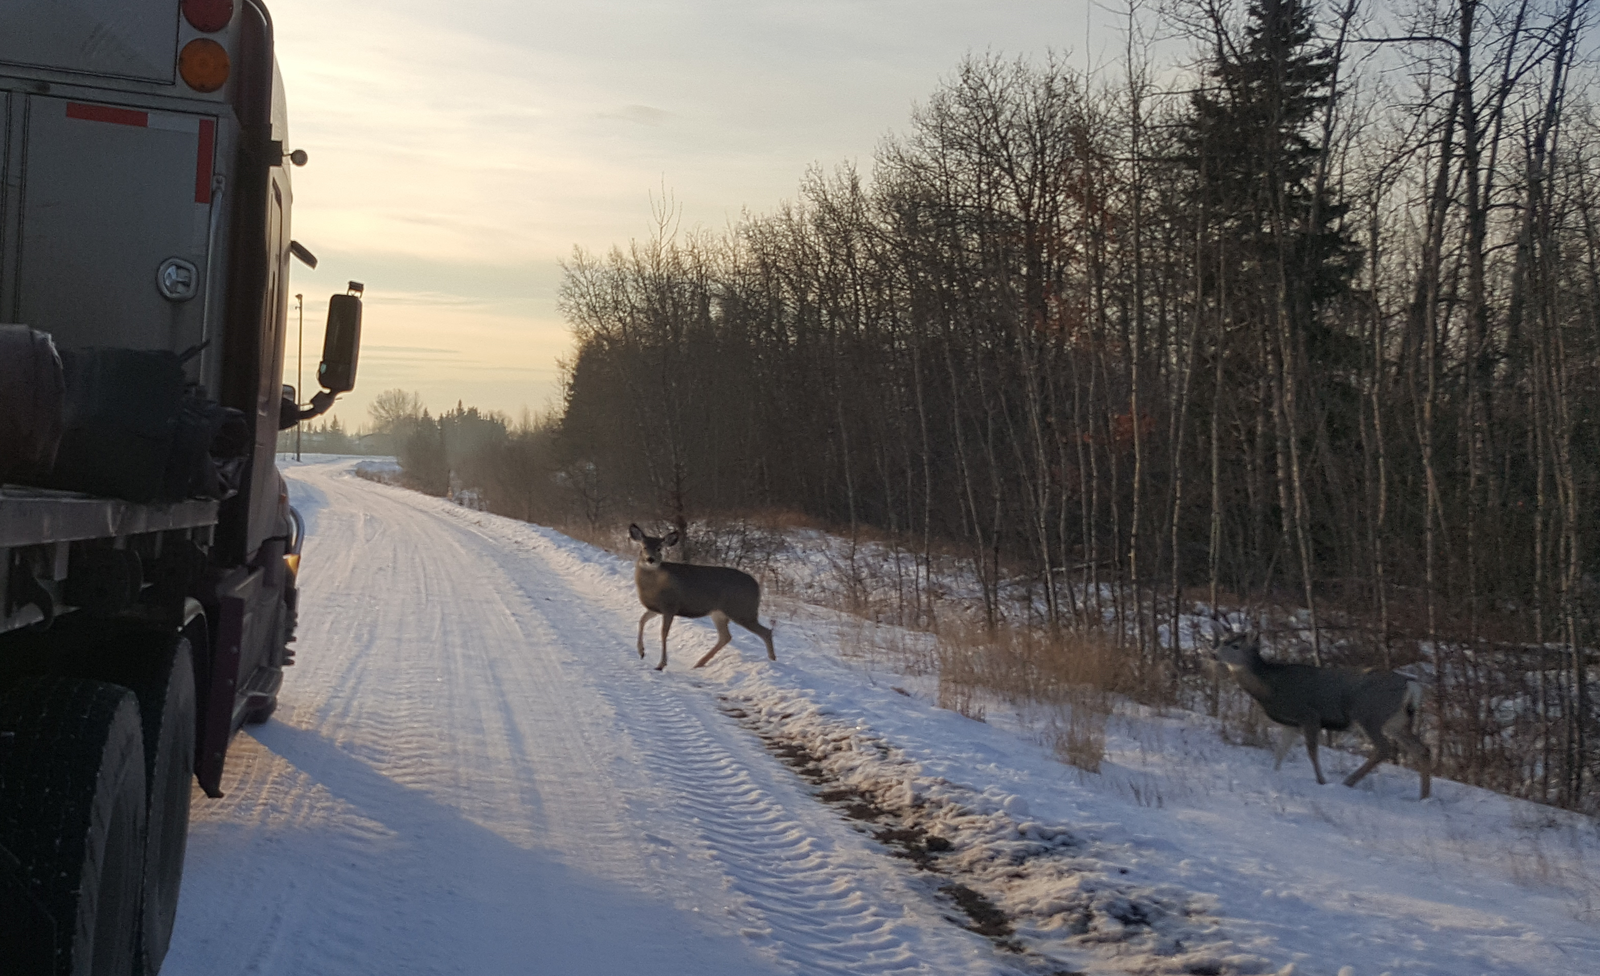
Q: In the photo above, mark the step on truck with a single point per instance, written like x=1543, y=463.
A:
x=148, y=552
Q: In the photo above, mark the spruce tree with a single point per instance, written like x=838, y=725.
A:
x=1253, y=140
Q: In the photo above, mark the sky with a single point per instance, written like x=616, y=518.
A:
x=459, y=152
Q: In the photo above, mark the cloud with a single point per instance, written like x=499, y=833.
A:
x=460, y=151
x=641, y=114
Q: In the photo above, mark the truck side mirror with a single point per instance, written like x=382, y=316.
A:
x=341, y=344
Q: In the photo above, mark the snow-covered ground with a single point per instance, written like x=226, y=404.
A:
x=473, y=772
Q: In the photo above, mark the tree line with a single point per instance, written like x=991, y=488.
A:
x=1308, y=327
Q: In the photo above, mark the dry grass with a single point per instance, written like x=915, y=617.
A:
x=1555, y=850
x=1081, y=742
x=960, y=696
x=610, y=539
x=886, y=647
x=1030, y=664
x=1074, y=673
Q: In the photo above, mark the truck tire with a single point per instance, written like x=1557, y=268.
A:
x=72, y=812
x=158, y=667
x=167, y=713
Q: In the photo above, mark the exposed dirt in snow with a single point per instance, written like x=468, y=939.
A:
x=1032, y=888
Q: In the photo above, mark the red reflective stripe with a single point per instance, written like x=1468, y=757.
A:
x=107, y=113
x=202, y=163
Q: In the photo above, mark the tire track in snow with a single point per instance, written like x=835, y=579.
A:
x=431, y=798
x=801, y=903
x=484, y=775
x=821, y=908
x=811, y=906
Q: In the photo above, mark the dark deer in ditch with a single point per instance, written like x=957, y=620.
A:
x=681, y=590
x=1383, y=703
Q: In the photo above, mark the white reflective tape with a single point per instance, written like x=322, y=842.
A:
x=200, y=228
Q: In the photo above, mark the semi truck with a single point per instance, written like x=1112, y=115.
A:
x=148, y=551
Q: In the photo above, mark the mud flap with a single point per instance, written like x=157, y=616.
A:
x=221, y=679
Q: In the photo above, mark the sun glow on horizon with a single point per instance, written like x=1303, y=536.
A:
x=458, y=153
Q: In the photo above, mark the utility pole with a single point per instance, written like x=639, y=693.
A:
x=299, y=363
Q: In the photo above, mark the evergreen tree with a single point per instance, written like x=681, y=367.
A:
x=422, y=457
x=1255, y=142
x=1273, y=261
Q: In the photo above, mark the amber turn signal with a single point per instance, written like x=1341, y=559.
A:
x=203, y=65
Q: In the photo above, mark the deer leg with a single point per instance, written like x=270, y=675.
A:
x=1310, y=730
x=1400, y=728
x=642, y=621
x=1381, y=749
x=1365, y=768
x=723, y=637
x=753, y=625
x=666, y=625
x=1286, y=736
x=1419, y=755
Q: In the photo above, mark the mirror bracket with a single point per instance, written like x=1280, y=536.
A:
x=300, y=251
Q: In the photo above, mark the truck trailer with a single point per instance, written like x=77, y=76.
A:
x=148, y=551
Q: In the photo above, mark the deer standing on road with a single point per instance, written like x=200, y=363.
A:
x=1307, y=698
x=681, y=590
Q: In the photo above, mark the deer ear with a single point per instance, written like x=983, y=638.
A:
x=671, y=539
x=635, y=533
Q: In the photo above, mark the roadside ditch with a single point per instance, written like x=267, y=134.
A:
x=1051, y=898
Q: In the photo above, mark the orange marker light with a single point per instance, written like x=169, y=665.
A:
x=203, y=65
x=209, y=16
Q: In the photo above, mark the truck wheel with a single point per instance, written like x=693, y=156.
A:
x=72, y=811
x=166, y=709
x=158, y=666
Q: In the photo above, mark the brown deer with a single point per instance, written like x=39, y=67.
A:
x=1299, y=696
x=681, y=590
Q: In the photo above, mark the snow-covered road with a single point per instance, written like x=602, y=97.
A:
x=472, y=772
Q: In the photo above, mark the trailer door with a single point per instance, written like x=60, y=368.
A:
x=116, y=206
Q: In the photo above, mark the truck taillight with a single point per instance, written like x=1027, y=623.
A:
x=203, y=65
x=208, y=16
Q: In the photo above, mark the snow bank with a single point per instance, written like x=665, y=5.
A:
x=1185, y=854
